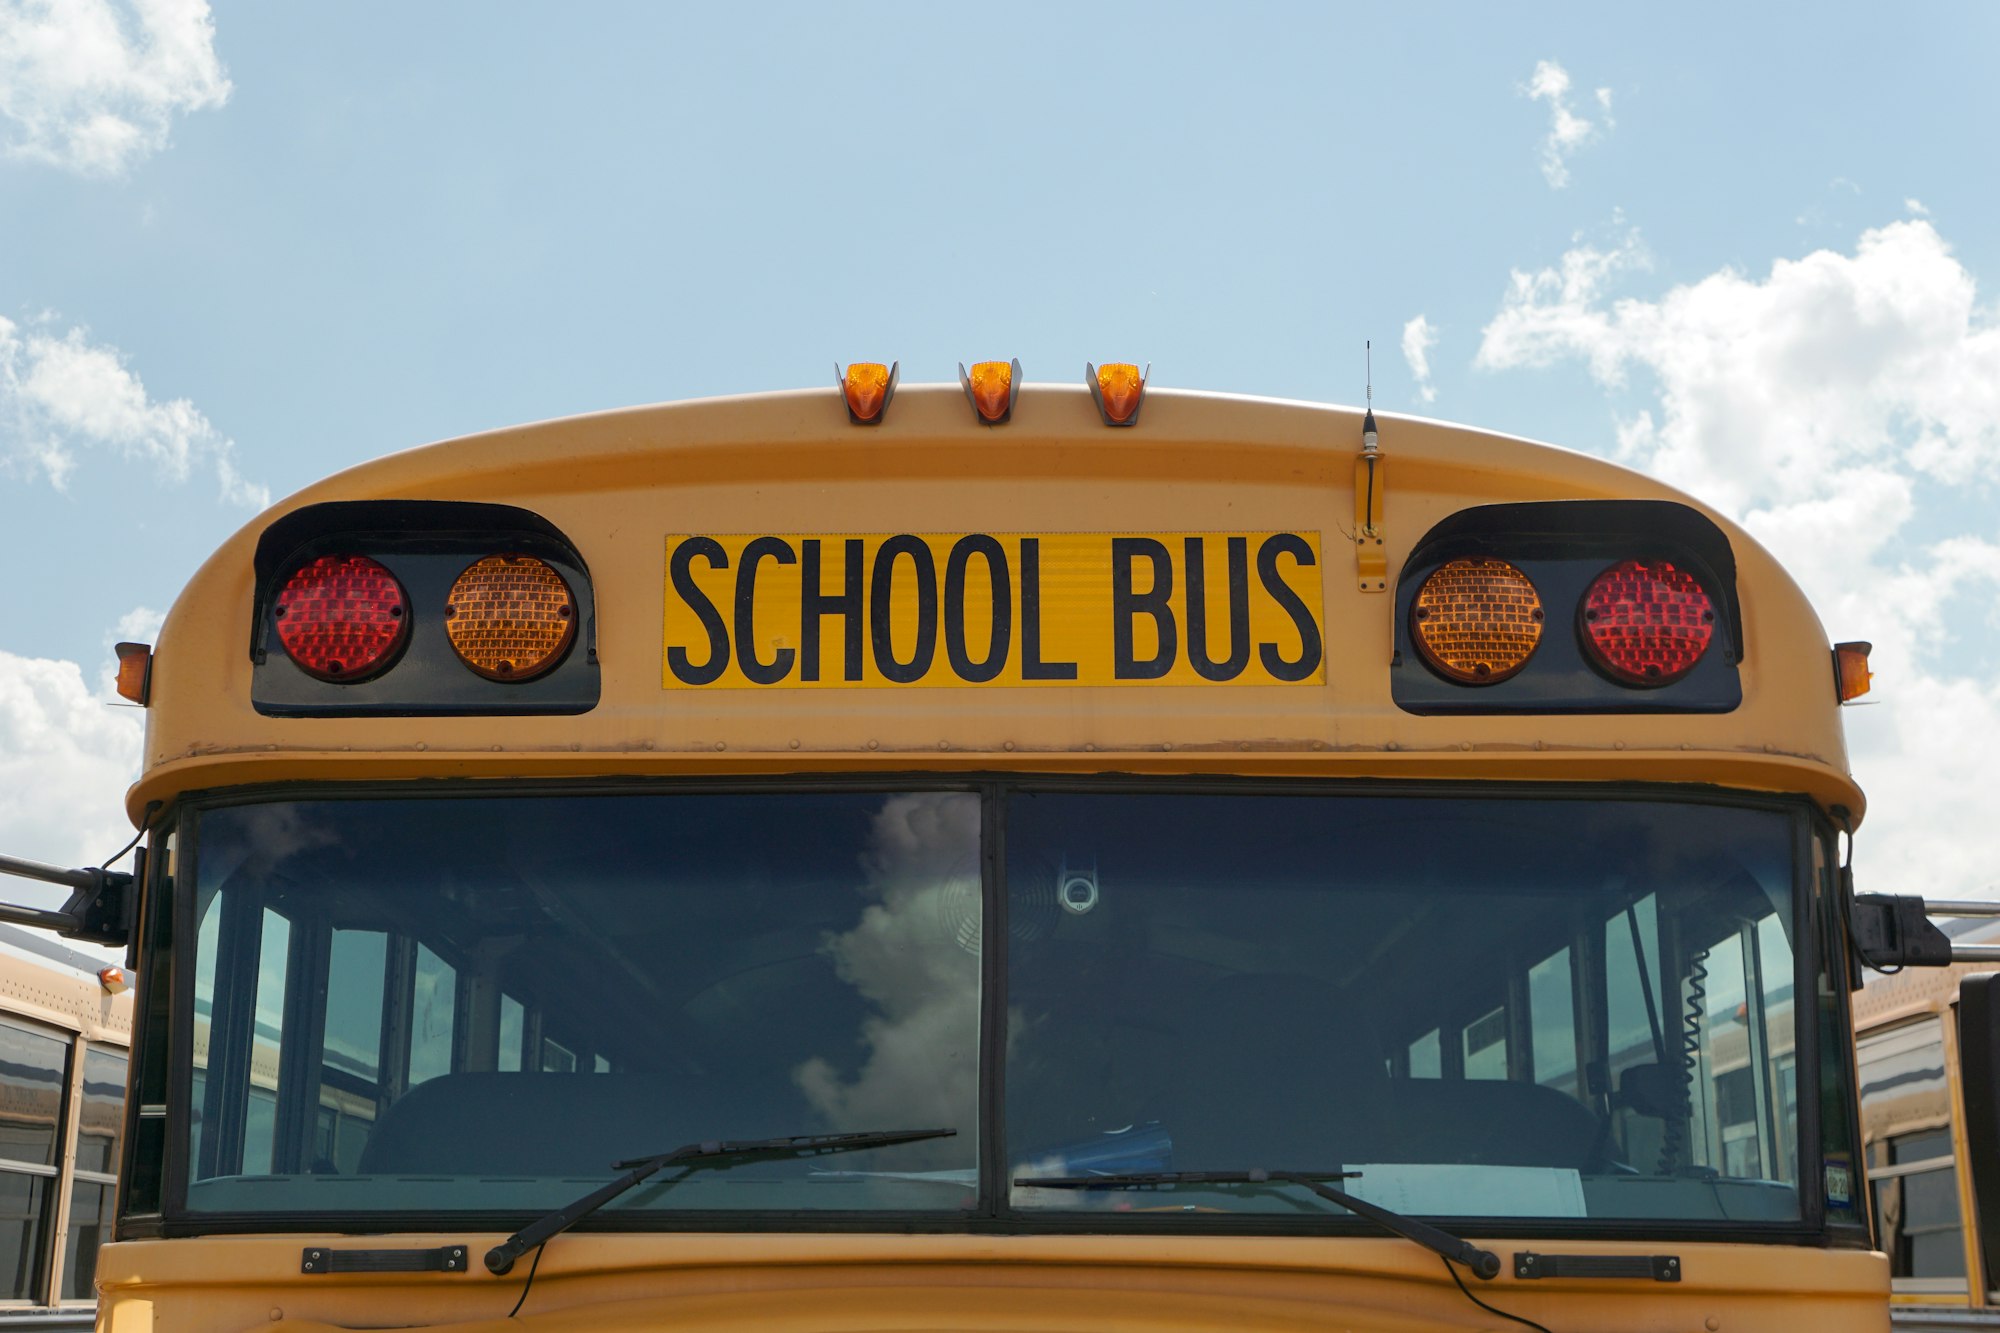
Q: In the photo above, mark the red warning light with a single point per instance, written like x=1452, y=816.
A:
x=1647, y=622
x=342, y=617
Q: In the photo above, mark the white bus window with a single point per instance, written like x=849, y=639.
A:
x=100, y=1121
x=33, y=1069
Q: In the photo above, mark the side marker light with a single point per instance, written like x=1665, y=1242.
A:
x=991, y=387
x=1476, y=621
x=135, y=671
x=867, y=386
x=1117, y=388
x=1851, y=676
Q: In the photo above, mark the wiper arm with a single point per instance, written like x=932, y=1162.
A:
x=1484, y=1263
x=715, y=1152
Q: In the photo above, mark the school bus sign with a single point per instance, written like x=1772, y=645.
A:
x=822, y=610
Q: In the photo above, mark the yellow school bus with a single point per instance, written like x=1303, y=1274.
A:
x=992, y=856
x=1917, y=1145
x=65, y=1024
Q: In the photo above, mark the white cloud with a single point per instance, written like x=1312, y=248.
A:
x=1568, y=131
x=66, y=756
x=1813, y=403
x=1419, y=336
x=92, y=86
x=1916, y=207
x=61, y=395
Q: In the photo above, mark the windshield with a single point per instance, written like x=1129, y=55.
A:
x=1486, y=1006
x=1489, y=1008
x=481, y=1004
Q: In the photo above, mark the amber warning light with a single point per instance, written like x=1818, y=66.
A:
x=510, y=617
x=135, y=671
x=1477, y=621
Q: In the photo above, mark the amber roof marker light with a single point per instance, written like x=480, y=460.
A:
x=991, y=387
x=510, y=617
x=1476, y=621
x=867, y=386
x=1851, y=676
x=1118, y=388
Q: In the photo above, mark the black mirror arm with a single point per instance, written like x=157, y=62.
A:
x=99, y=907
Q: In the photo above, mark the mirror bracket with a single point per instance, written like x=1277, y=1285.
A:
x=1895, y=930
x=100, y=907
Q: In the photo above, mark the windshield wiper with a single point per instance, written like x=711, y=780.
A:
x=1484, y=1263
x=715, y=1152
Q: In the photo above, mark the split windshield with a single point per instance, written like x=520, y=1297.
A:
x=1491, y=1006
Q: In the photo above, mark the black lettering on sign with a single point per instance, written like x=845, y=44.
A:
x=1032, y=665
x=697, y=601
x=879, y=602
x=814, y=604
x=1000, y=636
x=1127, y=606
x=780, y=665
x=1310, y=648
x=1239, y=611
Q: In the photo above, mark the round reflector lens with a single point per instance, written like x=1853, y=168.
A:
x=1647, y=622
x=342, y=617
x=510, y=617
x=1476, y=621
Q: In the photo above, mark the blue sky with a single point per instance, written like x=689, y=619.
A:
x=1748, y=249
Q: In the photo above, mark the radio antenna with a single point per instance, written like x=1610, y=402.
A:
x=1368, y=436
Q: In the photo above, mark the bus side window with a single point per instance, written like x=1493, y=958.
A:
x=1906, y=1132
x=1427, y=1056
x=350, y=1073
x=433, y=1012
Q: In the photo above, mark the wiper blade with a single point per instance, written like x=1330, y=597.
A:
x=1484, y=1263
x=693, y=1156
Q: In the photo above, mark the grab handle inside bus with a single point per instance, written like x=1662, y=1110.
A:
x=100, y=903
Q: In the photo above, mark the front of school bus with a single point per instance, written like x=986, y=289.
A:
x=1280, y=860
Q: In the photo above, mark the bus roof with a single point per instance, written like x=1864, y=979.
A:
x=619, y=483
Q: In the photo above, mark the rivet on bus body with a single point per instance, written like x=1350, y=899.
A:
x=720, y=745
x=944, y=745
x=1006, y=745
x=422, y=746
x=576, y=745
x=1618, y=745
x=496, y=749
x=1465, y=745
x=1089, y=746
x=276, y=1314
x=1319, y=745
x=1711, y=1323
x=1243, y=745
x=645, y=745
x=1538, y=745
x=1392, y=746
x=795, y=745
x=873, y=744
x=1167, y=745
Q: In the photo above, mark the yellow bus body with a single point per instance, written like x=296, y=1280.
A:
x=620, y=483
